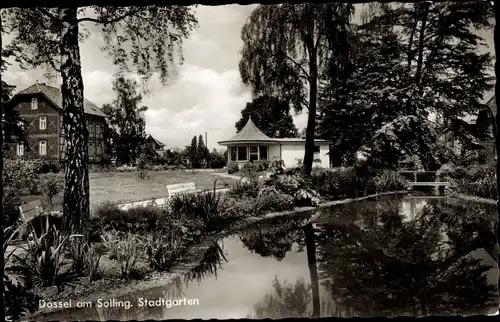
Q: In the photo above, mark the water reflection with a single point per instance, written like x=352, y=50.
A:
x=365, y=259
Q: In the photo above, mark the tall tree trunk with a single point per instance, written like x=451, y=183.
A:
x=497, y=122
x=2, y=236
x=313, y=269
x=420, y=60
x=76, y=193
x=311, y=119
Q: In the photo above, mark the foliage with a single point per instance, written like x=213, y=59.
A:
x=42, y=35
x=440, y=275
x=286, y=300
x=202, y=153
x=21, y=175
x=237, y=207
x=232, y=167
x=212, y=260
x=143, y=165
x=339, y=184
x=306, y=197
x=191, y=152
x=125, y=248
x=52, y=184
x=389, y=180
x=126, y=123
x=404, y=64
x=11, y=203
x=286, y=49
x=241, y=189
x=478, y=180
x=126, y=168
x=271, y=115
x=163, y=249
x=44, y=254
x=85, y=258
x=216, y=160
x=136, y=219
x=200, y=205
x=271, y=200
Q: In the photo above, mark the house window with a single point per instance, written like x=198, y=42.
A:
x=34, y=103
x=242, y=153
x=316, y=149
x=43, y=122
x=263, y=153
x=20, y=148
x=233, y=153
x=43, y=147
x=254, y=153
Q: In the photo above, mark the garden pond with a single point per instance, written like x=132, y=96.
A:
x=409, y=256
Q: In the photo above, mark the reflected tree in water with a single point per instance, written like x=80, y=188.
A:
x=386, y=266
x=212, y=261
x=277, y=240
x=274, y=239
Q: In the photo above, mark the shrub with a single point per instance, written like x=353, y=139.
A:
x=479, y=181
x=11, y=203
x=163, y=249
x=389, y=180
x=306, y=197
x=21, y=175
x=44, y=254
x=277, y=167
x=235, y=208
x=204, y=206
x=125, y=248
x=271, y=200
x=232, y=167
x=52, y=184
x=143, y=165
x=85, y=258
x=244, y=189
x=136, y=219
x=288, y=184
x=339, y=184
x=126, y=168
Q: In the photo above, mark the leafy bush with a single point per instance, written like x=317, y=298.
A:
x=125, y=248
x=44, y=254
x=232, y=167
x=306, y=197
x=288, y=184
x=85, y=258
x=216, y=160
x=235, y=208
x=21, y=175
x=339, y=184
x=11, y=203
x=479, y=181
x=271, y=200
x=140, y=219
x=244, y=189
x=52, y=184
x=277, y=167
x=204, y=206
x=163, y=249
x=389, y=180
x=48, y=167
x=143, y=165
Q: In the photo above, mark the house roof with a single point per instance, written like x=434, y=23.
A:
x=54, y=95
x=251, y=134
x=161, y=144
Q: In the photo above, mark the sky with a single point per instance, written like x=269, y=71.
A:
x=207, y=95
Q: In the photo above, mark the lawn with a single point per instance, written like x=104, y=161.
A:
x=127, y=187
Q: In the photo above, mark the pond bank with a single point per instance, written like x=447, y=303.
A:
x=195, y=256
x=476, y=199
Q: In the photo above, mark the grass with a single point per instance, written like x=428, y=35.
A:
x=127, y=187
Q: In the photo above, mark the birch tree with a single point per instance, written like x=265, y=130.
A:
x=145, y=38
x=286, y=49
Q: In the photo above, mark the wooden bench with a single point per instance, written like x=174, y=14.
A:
x=174, y=189
x=30, y=210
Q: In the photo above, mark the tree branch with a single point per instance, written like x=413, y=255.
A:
x=113, y=20
x=306, y=75
x=48, y=14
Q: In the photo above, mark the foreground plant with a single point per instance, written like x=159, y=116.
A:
x=163, y=249
x=44, y=254
x=126, y=249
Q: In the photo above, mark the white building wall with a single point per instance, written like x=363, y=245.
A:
x=291, y=153
x=273, y=151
